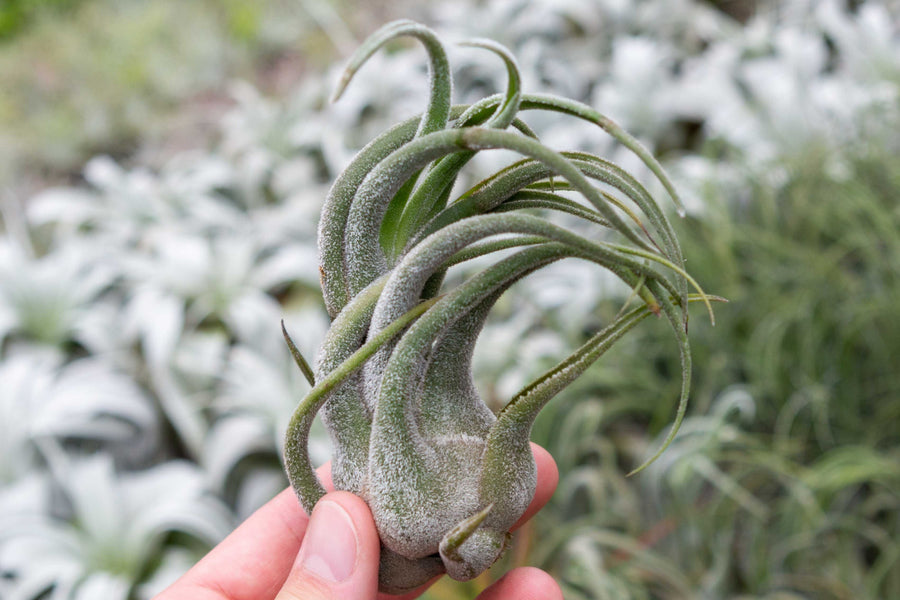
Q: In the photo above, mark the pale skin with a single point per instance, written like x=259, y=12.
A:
x=266, y=557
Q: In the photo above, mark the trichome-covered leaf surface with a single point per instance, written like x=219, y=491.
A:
x=444, y=476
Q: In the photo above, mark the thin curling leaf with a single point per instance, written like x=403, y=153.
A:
x=346, y=415
x=370, y=204
x=506, y=112
x=505, y=446
x=438, y=112
x=404, y=285
x=336, y=209
x=484, y=248
x=433, y=119
x=583, y=111
x=480, y=112
x=678, y=269
x=594, y=166
x=587, y=113
x=297, y=462
x=684, y=353
x=535, y=199
x=432, y=194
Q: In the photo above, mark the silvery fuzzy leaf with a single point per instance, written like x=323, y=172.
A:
x=171, y=260
x=574, y=284
x=217, y=277
x=692, y=173
x=103, y=585
x=866, y=41
x=231, y=439
x=289, y=264
x=27, y=492
x=501, y=374
x=191, y=174
x=174, y=563
x=706, y=90
x=253, y=319
x=257, y=487
x=289, y=222
x=184, y=408
x=634, y=94
x=104, y=173
x=131, y=198
x=88, y=400
x=126, y=205
x=242, y=460
x=45, y=297
x=115, y=528
x=24, y=379
x=156, y=318
x=262, y=379
x=297, y=173
x=53, y=581
x=64, y=206
x=227, y=276
x=102, y=332
x=172, y=497
x=200, y=357
x=254, y=382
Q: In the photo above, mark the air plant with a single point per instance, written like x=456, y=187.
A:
x=444, y=476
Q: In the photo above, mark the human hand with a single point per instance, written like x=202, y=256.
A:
x=280, y=553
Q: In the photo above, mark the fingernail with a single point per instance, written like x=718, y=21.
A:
x=330, y=545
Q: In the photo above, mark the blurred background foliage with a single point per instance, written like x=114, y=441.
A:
x=161, y=169
x=83, y=77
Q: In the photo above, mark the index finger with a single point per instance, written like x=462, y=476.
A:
x=254, y=560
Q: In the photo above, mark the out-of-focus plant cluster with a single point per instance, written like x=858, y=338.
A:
x=15, y=15
x=127, y=77
x=144, y=385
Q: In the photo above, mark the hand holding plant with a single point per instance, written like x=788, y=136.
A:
x=446, y=478
x=279, y=552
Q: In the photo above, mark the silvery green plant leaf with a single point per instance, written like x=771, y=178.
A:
x=43, y=298
x=110, y=529
x=445, y=476
x=87, y=404
x=241, y=462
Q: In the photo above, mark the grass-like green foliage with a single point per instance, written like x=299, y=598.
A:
x=784, y=482
x=444, y=476
x=15, y=15
x=87, y=77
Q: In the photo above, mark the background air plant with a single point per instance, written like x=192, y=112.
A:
x=444, y=476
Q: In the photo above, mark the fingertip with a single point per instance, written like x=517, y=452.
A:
x=547, y=479
x=339, y=555
x=547, y=471
x=324, y=473
x=524, y=583
x=363, y=521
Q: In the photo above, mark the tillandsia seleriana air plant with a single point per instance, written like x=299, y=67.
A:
x=444, y=476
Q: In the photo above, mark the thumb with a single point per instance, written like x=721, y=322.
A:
x=338, y=558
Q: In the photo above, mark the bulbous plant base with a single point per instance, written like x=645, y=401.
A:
x=480, y=549
x=398, y=574
x=444, y=476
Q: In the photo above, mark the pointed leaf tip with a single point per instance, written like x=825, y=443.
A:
x=298, y=358
x=457, y=536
